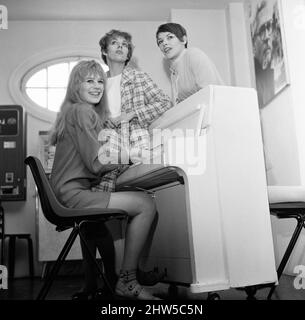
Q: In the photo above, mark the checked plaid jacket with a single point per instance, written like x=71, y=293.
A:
x=141, y=95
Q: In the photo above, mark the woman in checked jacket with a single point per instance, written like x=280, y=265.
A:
x=134, y=101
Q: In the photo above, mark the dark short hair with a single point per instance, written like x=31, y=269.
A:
x=174, y=28
x=105, y=40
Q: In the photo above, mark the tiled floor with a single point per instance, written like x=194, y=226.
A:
x=65, y=286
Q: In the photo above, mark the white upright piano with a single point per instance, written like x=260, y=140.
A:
x=208, y=177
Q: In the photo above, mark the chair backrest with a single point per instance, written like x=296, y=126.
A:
x=49, y=203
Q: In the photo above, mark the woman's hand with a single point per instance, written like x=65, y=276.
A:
x=124, y=117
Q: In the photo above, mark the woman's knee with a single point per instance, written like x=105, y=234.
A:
x=134, y=203
x=147, y=204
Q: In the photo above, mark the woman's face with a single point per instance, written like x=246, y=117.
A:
x=117, y=50
x=91, y=89
x=170, y=45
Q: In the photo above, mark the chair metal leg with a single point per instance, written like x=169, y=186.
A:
x=2, y=252
x=101, y=272
x=11, y=256
x=2, y=235
x=31, y=258
x=62, y=256
x=45, y=270
x=288, y=251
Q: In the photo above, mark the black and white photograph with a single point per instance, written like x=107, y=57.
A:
x=151, y=154
x=268, y=49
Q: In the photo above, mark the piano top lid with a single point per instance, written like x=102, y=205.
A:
x=148, y=177
x=184, y=109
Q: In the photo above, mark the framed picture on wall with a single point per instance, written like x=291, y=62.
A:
x=269, y=53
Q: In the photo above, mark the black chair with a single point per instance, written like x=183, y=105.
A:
x=288, y=210
x=282, y=210
x=64, y=218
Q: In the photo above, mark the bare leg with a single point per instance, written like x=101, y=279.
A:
x=141, y=208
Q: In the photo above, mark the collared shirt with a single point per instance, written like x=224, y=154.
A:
x=192, y=71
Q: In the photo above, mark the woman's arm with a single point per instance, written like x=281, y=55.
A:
x=86, y=128
x=124, y=117
x=150, y=102
x=203, y=69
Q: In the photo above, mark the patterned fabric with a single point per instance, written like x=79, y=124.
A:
x=110, y=152
x=141, y=95
x=111, y=146
x=108, y=180
x=139, y=144
x=124, y=145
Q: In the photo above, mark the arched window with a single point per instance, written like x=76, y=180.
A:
x=46, y=84
x=40, y=85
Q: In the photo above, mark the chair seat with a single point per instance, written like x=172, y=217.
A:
x=286, y=194
x=18, y=235
x=288, y=209
x=287, y=202
x=88, y=214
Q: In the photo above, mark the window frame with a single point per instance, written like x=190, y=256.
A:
x=35, y=63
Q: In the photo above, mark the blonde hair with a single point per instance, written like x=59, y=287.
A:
x=77, y=76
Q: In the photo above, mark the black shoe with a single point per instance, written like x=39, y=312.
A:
x=103, y=294
x=98, y=294
x=83, y=295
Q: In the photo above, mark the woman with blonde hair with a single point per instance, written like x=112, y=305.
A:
x=77, y=169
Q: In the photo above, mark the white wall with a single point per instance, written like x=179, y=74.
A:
x=283, y=125
x=277, y=118
x=283, y=128
x=294, y=23
x=282, y=119
x=290, y=113
x=207, y=30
